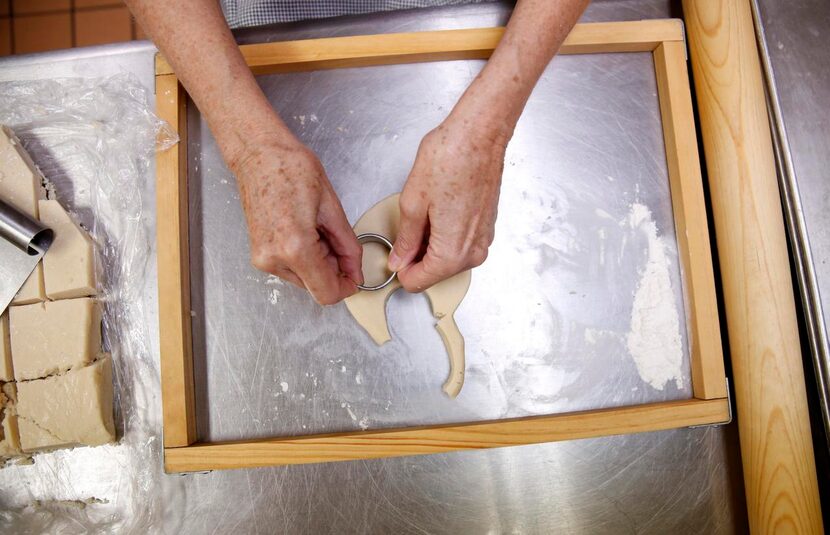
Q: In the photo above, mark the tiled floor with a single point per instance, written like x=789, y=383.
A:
x=40, y=25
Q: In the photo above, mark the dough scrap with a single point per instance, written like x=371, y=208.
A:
x=9, y=437
x=369, y=307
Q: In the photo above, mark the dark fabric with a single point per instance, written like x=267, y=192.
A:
x=244, y=13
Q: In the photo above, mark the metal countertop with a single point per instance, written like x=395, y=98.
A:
x=601, y=147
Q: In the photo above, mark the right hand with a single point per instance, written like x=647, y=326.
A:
x=296, y=225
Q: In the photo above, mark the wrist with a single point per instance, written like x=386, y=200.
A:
x=244, y=138
x=271, y=144
x=482, y=124
x=486, y=110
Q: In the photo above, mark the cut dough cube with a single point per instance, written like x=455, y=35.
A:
x=20, y=186
x=9, y=436
x=6, y=370
x=54, y=336
x=32, y=290
x=67, y=410
x=69, y=263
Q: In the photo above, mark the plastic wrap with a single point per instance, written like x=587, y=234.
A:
x=94, y=140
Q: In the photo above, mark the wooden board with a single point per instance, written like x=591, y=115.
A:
x=176, y=346
x=710, y=405
x=773, y=421
x=386, y=49
x=443, y=438
x=689, y=209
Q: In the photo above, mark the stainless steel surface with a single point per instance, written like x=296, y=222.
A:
x=22, y=244
x=685, y=480
x=797, y=70
x=547, y=316
x=370, y=237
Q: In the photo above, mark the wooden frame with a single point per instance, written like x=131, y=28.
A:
x=710, y=405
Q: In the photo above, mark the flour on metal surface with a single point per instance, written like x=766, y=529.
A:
x=654, y=336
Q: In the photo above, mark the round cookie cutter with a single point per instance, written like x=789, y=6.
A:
x=371, y=237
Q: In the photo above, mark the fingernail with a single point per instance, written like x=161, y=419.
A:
x=394, y=261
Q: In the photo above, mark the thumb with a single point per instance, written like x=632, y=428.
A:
x=341, y=238
x=410, y=236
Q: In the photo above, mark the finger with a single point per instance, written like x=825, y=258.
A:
x=331, y=259
x=342, y=240
x=319, y=275
x=410, y=235
x=424, y=274
x=289, y=276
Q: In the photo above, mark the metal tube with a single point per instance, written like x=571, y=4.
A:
x=22, y=231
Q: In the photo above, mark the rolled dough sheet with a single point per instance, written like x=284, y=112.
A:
x=21, y=186
x=66, y=410
x=68, y=265
x=55, y=336
x=6, y=370
x=369, y=307
x=9, y=435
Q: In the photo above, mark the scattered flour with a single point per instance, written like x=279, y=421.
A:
x=601, y=239
x=595, y=336
x=602, y=213
x=654, y=338
x=274, y=294
x=351, y=413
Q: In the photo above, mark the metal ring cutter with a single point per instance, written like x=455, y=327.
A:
x=371, y=237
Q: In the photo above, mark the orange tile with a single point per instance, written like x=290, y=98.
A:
x=80, y=4
x=5, y=37
x=4, y=8
x=101, y=26
x=26, y=7
x=36, y=33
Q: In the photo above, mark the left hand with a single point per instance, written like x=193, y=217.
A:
x=449, y=203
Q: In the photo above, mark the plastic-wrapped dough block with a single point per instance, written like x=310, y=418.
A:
x=6, y=370
x=68, y=266
x=9, y=436
x=20, y=186
x=54, y=336
x=67, y=410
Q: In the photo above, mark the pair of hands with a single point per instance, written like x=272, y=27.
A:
x=299, y=232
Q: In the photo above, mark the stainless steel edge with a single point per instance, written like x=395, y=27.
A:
x=804, y=261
